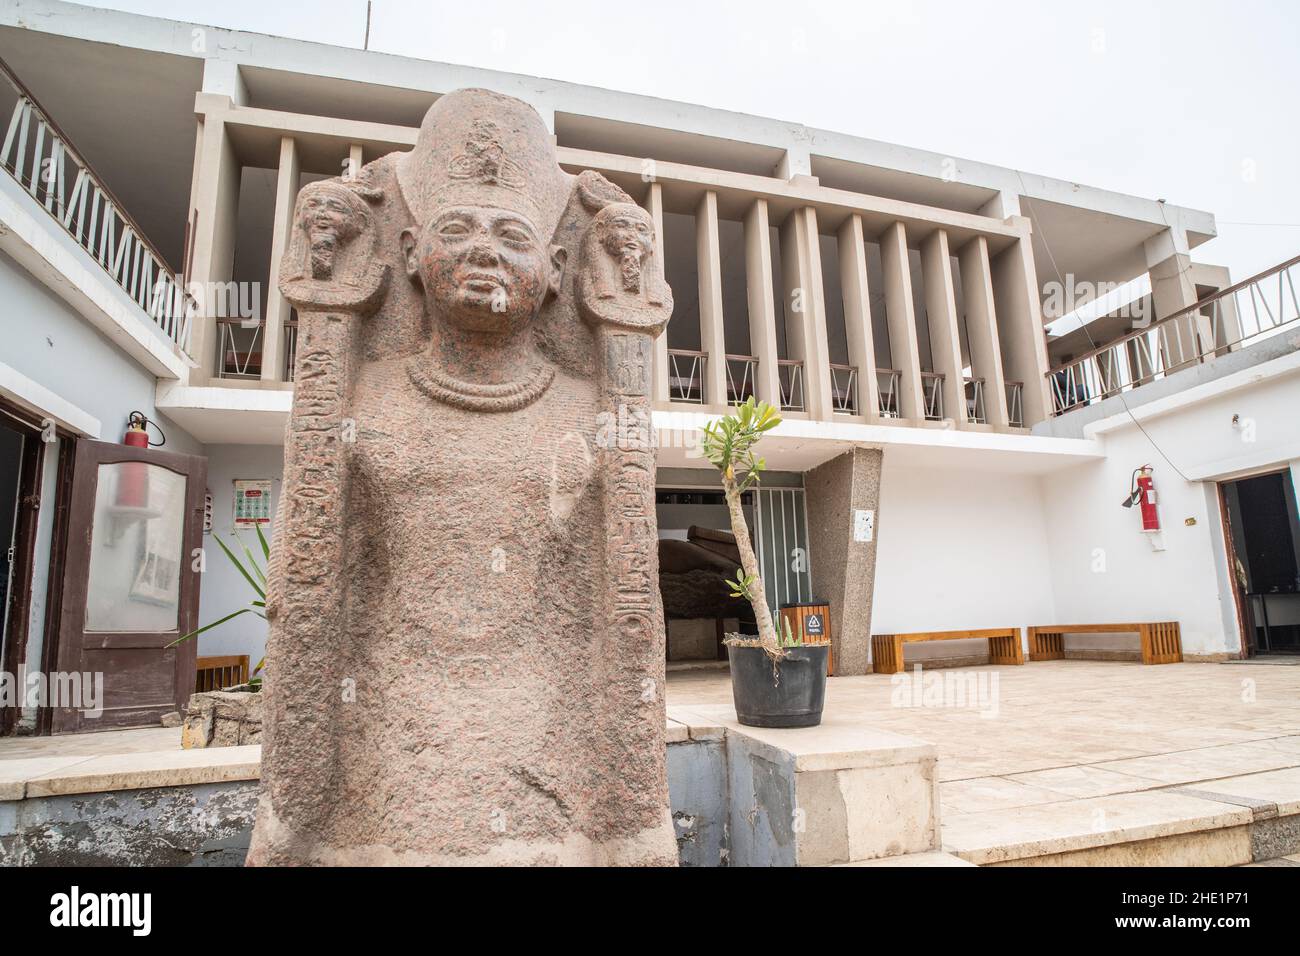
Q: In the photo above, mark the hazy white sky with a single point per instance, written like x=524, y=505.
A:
x=1192, y=101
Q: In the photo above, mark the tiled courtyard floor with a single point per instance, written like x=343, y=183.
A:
x=1062, y=749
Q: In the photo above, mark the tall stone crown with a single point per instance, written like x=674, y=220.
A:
x=479, y=148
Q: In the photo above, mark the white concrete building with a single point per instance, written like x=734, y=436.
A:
x=896, y=304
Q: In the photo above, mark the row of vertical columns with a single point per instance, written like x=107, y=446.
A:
x=1002, y=320
x=214, y=226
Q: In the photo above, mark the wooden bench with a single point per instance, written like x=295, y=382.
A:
x=218, y=673
x=887, y=649
x=1162, y=642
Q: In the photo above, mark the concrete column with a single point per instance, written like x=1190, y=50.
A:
x=844, y=567
x=796, y=161
x=356, y=159
x=805, y=330
x=277, y=306
x=222, y=78
x=762, y=308
x=708, y=261
x=906, y=356
x=982, y=328
x=1002, y=206
x=1020, y=317
x=857, y=314
x=941, y=314
x=659, y=369
x=1169, y=264
x=215, y=196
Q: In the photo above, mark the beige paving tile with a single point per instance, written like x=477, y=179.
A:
x=1279, y=787
x=93, y=744
x=1191, y=766
x=1289, y=744
x=997, y=836
x=15, y=773
x=992, y=793
x=1085, y=781
x=158, y=769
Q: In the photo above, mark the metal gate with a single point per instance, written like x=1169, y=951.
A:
x=781, y=535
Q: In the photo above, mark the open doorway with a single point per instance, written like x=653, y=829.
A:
x=1263, y=537
x=697, y=554
x=20, y=477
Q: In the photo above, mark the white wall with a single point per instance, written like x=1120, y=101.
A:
x=45, y=339
x=223, y=589
x=1188, y=581
x=959, y=549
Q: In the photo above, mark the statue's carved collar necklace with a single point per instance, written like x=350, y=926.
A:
x=476, y=397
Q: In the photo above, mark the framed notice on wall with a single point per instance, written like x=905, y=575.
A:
x=252, y=501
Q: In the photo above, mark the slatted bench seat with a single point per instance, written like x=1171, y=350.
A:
x=887, y=649
x=1162, y=641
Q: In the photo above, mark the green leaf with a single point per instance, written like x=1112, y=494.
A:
x=252, y=562
x=208, y=627
x=261, y=539
x=240, y=567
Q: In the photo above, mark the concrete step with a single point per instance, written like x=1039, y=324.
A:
x=1227, y=821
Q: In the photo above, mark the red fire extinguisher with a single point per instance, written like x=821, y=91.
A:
x=133, y=485
x=1142, y=492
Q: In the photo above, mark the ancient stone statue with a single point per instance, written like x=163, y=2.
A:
x=466, y=646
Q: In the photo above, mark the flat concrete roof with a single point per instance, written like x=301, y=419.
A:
x=733, y=139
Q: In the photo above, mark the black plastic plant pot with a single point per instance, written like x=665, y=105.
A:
x=789, y=694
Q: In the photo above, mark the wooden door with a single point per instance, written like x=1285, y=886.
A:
x=130, y=586
x=1236, y=572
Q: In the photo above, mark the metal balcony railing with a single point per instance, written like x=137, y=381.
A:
x=741, y=373
x=932, y=395
x=844, y=388
x=888, y=382
x=1218, y=324
x=1015, y=404
x=239, y=349
x=686, y=376
x=975, y=412
x=41, y=158
x=789, y=375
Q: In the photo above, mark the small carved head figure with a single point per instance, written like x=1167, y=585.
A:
x=330, y=218
x=620, y=280
x=484, y=269
x=629, y=238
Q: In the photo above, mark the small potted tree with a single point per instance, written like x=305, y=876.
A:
x=777, y=680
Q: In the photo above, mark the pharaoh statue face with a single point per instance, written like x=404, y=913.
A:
x=483, y=269
x=628, y=238
x=330, y=222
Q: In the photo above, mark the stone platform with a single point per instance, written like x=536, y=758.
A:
x=1063, y=762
